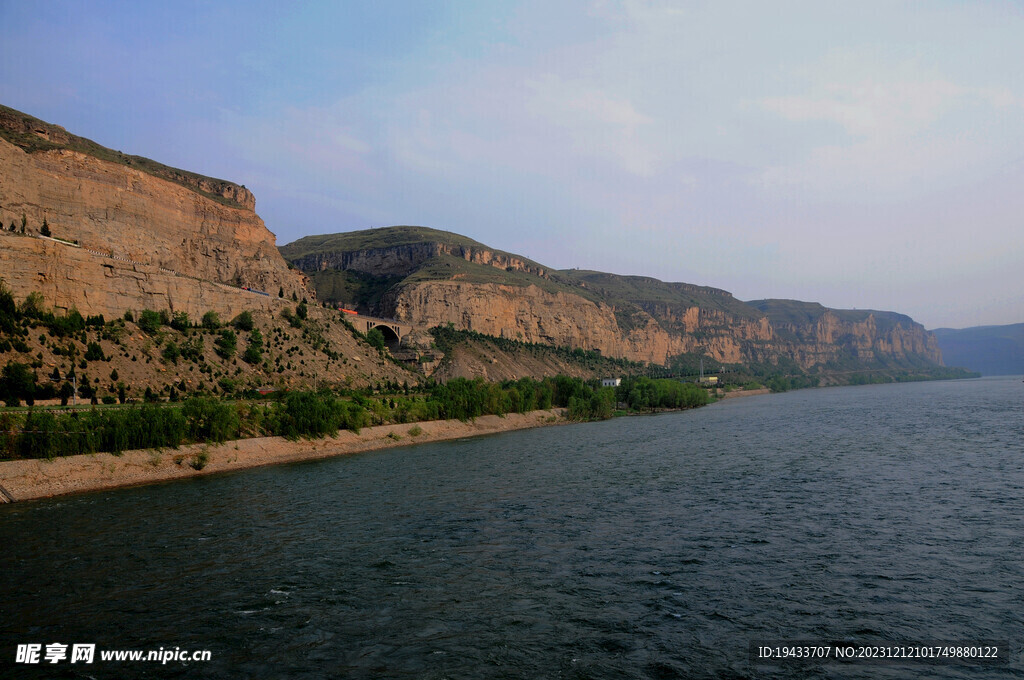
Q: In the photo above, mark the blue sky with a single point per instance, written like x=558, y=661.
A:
x=866, y=154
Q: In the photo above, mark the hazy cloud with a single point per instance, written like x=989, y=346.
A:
x=857, y=154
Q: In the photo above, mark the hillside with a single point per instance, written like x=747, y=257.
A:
x=92, y=233
x=436, y=278
x=990, y=350
x=97, y=232
x=33, y=135
x=146, y=231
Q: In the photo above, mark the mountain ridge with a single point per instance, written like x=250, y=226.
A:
x=990, y=350
x=434, y=278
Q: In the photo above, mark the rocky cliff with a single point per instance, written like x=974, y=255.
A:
x=70, y=277
x=398, y=251
x=180, y=234
x=532, y=314
x=432, y=278
x=816, y=335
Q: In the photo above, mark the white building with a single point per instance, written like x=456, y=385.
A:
x=611, y=382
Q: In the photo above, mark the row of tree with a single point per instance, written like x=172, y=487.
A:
x=46, y=434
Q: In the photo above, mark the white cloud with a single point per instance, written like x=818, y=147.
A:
x=871, y=108
x=902, y=130
x=597, y=122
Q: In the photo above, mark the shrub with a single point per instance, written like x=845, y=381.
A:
x=17, y=382
x=171, y=352
x=211, y=321
x=375, y=338
x=226, y=344
x=199, y=460
x=210, y=420
x=94, y=352
x=243, y=322
x=254, y=352
x=180, y=322
x=192, y=349
x=149, y=321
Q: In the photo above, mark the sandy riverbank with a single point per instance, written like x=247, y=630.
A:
x=28, y=479
x=744, y=393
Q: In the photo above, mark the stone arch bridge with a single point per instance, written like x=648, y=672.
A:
x=393, y=330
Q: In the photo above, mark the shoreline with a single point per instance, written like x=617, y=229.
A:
x=37, y=478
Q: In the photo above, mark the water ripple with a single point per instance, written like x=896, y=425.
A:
x=638, y=548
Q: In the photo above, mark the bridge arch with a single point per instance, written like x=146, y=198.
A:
x=391, y=333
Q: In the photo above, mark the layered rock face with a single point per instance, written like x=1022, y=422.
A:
x=531, y=314
x=661, y=331
x=171, y=234
x=814, y=335
x=74, y=277
x=131, y=214
x=630, y=317
x=402, y=260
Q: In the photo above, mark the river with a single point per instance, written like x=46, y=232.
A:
x=644, y=547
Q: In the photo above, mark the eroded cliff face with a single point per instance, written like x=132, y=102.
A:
x=74, y=277
x=132, y=215
x=656, y=333
x=404, y=259
x=531, y=314
x=824, y=340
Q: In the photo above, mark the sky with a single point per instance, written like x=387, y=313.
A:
x=861, y=154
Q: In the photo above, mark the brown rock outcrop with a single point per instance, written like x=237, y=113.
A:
x=157, y=226
x=825, y=339
x=401, y=260
x=93, y=284
x=534, y=315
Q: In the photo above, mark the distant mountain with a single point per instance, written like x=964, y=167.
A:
x=436, y=278
x=990, y=350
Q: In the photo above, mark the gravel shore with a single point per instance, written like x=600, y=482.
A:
x=28, y=479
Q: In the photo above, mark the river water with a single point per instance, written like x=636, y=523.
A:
x=646, y=547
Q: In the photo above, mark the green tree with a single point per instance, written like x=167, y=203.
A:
x=211, y=321
x=180, y=322
x=17, y=382
x=254, y=352
x=149, y=321
x=94, y=352
x=33, y=305
x=226, y=344
x=243, y=321
x=171, y=352
x=45, y=230
x=375, y=338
